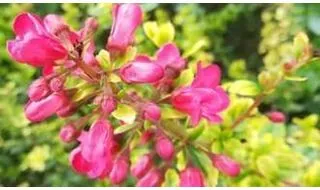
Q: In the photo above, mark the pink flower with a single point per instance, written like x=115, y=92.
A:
x=126, y=19
x=169, y=56
x=204, y=98
x=164, y=147
x=38, y=89
x=153, y=178
x=108, y=104
x=276, y=117
x=191, y=177
x=66, y=110
x=119, y=170
x=68, y=133
x=141, y=70
x=142, y=166
x=94, y=157
x=226, y=165
x=34, y=45
x=56, y=84
x=151, y=111
x=40, y=110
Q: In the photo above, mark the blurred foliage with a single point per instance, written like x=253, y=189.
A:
x=240, y=38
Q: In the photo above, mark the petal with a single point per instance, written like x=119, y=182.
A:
x=27, y=22
x=126, y=19
x=54, y=23
x=36, y=50
x=141, y=71
x=208, y=77
x=79, y=164
x=169, y=55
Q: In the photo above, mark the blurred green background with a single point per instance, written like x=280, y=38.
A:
x=241, y=38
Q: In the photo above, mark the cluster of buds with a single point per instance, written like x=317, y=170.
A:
x=65, y=54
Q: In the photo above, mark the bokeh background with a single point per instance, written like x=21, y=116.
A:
x=241, y=38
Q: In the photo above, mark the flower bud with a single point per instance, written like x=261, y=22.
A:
x=66, y=110
x=191, y=177
x=151, y=111
x=56, y=84
x=41, y=110
x=38, y=89
x=164, y=147
x=276, y=117
x=119, y=170
x=226, y=165
x=142, y=166
x=108, y=104
x=153, y=178
x=141, y=70
x=68, y=133
x=126, y=19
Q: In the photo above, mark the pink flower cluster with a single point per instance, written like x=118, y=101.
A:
x=62, y=52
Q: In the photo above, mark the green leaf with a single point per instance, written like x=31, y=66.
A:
x=195, y=48
x=83, y=92
x=237, y=69
x=159, y=34
x=267, y=166
x=296, y=78
x=171, y=178
x=103, y=58
x=124, y=128
x=244, y=88
x=300, y=42
x=312, y=175
x=168, y=112
x=125, y=113
x=181, y=160
x=306, y=122
x=195, y=132
x=114, y=78
x=185, y=78
x=166, y=34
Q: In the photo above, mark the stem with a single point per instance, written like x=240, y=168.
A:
x=90, y=72
x=255, y=104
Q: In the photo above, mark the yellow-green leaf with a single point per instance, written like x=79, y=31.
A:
x=185, y=78
x=168, y=112
x=125, y=113
x=244, y=88
x=124, y=128
x=195, y=48
x=103, y=58
x=171, y=178
x=267, y=166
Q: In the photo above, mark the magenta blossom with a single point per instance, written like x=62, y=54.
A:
x=119, y=170
x=38, y=89
x=169, y=56
x=151, y=111
x=126, y=19
x=40, y=110
x=276, y=117
x=34, y=45
x=226, y=165
x=164, y=147
x=141, y=70
x=142, y=166
x=93, y=157
x=153, y=178
x=191, y=177
x=204, y=98
x=68, y=133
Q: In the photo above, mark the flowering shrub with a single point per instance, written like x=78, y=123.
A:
x=161, y=119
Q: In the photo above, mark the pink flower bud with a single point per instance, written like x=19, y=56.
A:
x=119, y=170
x=78, y=163
x=151, y=111
x=68, y=133
x=38, y=89
x=153, y=178
x=108, y=104
x=126, y=19
x=66, y=110
x=56, y=84
x=142, y=166
x=164, y=147
x=226, y=165
x=276, y=117
x=141, y=70
x=41, y=110
x=191, y=177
